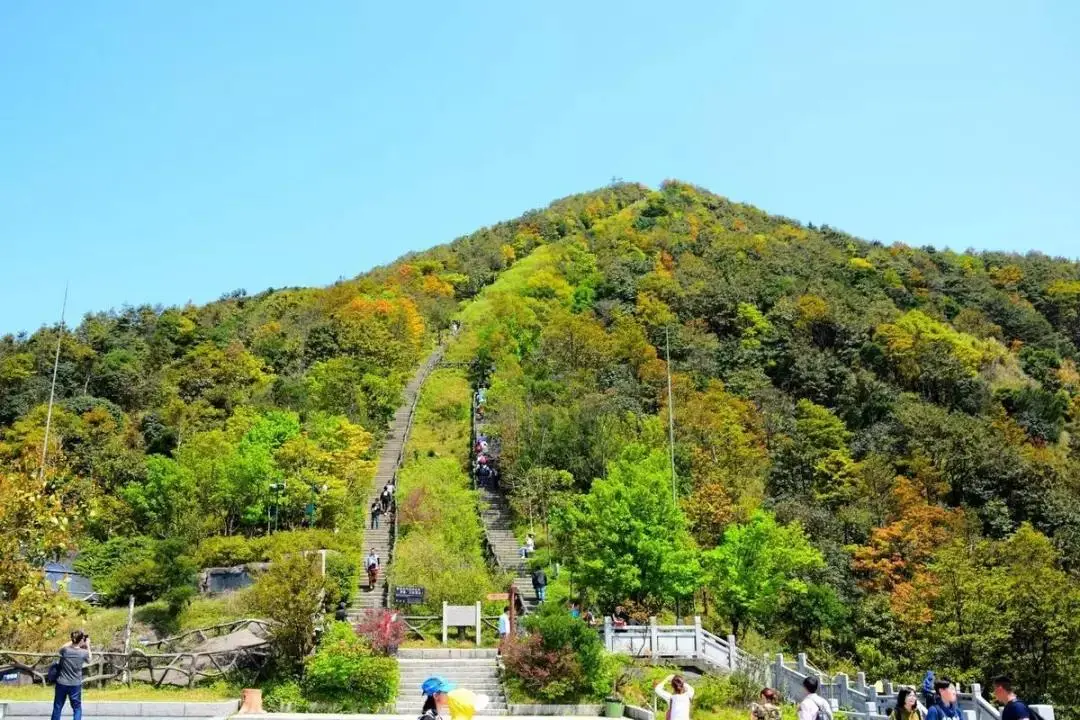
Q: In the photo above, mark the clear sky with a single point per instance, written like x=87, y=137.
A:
x=169, y=151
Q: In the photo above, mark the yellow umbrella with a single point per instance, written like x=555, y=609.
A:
x=465, y=703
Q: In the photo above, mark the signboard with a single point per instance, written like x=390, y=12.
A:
x=494, y=597
x=459, y=615
x=408, y=594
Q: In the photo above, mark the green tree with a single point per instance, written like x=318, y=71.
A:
x=758, y=568
x=626, y=538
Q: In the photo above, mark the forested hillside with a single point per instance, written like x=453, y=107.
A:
x=876, y=452
x=182, y=436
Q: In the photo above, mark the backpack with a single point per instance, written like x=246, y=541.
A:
x=824, y=710
x=53, y=673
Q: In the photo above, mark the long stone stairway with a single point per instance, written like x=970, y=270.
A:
x=496, y=515
x=506, y=547
x=476, y=670
x=390, y=457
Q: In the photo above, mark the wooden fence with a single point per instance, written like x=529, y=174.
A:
x=161, y=662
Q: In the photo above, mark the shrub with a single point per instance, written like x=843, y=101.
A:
x=146, y=568
x=345, y=675
x=290, y=593
x=561, y=660
x=342, y=573
x=285, y=697
x=384, y=630
x=225, y=551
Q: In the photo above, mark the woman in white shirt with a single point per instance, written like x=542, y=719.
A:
x=678, y=699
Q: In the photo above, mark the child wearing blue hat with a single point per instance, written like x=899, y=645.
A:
x=435, y=689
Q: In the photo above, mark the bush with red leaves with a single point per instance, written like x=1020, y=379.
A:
x=560, y=660
x=383, y=629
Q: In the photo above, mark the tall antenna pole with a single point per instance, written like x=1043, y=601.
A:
x=670, y=414
x=52, y=388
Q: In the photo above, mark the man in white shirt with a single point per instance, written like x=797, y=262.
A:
x=813, y=706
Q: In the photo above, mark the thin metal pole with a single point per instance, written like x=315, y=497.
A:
x=52, y=388
x=671, y=414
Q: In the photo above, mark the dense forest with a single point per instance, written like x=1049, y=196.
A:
x=875, y=451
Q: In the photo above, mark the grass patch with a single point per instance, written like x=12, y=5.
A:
x=441, y=427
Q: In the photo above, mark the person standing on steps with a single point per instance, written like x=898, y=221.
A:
x=678, y=699
x=73, y=656
x=371, y=563
x=342, y=613
x=504, y=628
x=539, y=583
x=376, y=511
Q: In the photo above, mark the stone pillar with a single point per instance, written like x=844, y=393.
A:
x=654, y=637
x=699, y=638
x=609, y=639
x=479, y=623
x=800, y=663
x=860, y=682
x=843, y=696
x=732, y=659
x=444, y=638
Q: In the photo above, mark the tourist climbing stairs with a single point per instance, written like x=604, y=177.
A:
x=496, y=516
x=381, y=539
x=476, y=670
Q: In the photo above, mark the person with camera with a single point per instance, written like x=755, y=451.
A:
x=73, y=656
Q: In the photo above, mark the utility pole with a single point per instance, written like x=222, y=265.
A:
x=670, y=413
x=52, y=388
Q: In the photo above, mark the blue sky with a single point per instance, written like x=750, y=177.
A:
x=170, y=151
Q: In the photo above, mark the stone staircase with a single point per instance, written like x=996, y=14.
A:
x=507, y=549
x=386, y=470
x=476, y=670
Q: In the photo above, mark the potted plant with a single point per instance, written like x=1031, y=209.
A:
x=614, y=706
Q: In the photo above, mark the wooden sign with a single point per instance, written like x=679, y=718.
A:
x=498, y=596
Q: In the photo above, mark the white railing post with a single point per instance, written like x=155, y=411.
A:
x=444, y=638
x=843, y=697
x=479, y=622
x=732, y=659
x=609, y=640
x=778, y=676
x=654, y=637
x=699, y=638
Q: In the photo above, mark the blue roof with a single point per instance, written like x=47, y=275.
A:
x=78, y=586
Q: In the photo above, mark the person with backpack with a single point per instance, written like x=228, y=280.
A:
x=907, y=706
x=768, y=708
x=69, y=673
x=539, y=583
x=1012, y=707
x=945, y=706
x=813, y=706
x=376, y=511
x=678, y=699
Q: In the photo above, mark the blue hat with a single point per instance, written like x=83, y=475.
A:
x=436, y=684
